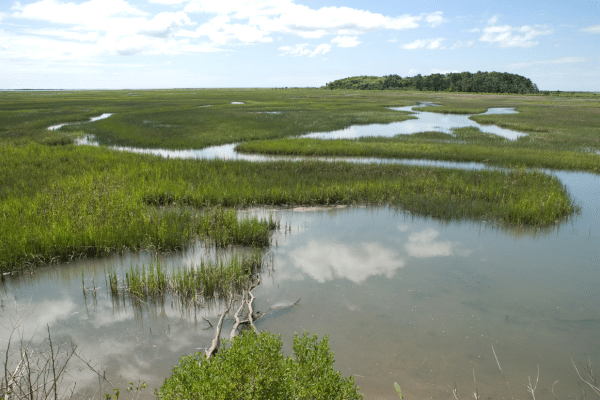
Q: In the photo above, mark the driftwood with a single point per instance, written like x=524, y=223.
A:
x=250, y=318
x=238, y=321
x=259, y=314
x=250, y=312
x=250, y=315
x=217, y=340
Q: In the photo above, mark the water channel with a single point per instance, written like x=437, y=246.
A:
x=403, y=298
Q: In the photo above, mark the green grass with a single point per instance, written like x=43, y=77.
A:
x=206, y=281
x=60, y=202
x=479, y=147
x=57, y=202
x=177, y=119
x=551, y=122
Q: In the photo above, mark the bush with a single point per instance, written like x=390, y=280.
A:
x=254, y=367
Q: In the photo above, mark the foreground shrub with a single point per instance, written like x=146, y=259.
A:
x=254, y=367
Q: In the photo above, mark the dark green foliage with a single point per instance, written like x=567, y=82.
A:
x=254, y=367
x=482, y=82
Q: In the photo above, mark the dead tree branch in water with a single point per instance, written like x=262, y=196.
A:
x=503, y=376
x=247, y=299
x=250, y=313
x=38, y=372
x=238, y=321
x=592, y=379
x=217, y=340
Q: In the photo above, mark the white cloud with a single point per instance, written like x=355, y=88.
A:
x=110, y=27
x=305, y=50
x=284, y=16
x=493, y=20
x=297, y=50
x=221, y=32
x=346, y=41
x=564, y=60
x=443, y=71
x=321, y=49
x=403, y=227
x=460, y=43
x=65, y=34
x=589, y=29
x=72, y=14
x=240, y=9
x=509, y=36
x=424, y=43
x=327, y=261
x=165, y=24
x=168, y=2
x=434, y=19
x=103, y=27
x=423, y=245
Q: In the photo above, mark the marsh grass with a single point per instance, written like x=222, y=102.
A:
x=67, y=201
x=177, y=119
x=469, y=144
x=59, y=201
x=211, y=279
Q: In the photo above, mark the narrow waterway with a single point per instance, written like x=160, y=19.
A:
x=93, y=119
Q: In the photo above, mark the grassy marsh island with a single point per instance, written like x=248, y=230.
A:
x=60, y=202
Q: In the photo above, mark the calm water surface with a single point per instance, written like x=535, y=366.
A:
x=403, y=299
x=93, y=119
x=424, y=122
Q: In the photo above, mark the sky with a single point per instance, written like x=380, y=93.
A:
x=138, y=44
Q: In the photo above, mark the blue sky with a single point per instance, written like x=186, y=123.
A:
x=111, y=44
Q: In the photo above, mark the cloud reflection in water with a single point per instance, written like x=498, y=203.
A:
x=327, y=261
x=422, y=244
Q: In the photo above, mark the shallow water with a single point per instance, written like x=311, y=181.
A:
x=424, y=122
x=93, y=119
x=227, y=152
x=403, y=299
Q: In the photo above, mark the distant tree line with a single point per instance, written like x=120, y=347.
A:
x=486, y=82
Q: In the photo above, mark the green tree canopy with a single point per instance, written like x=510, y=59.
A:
x=483, y=82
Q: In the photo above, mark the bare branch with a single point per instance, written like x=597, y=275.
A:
x=553, y=394
x=217, y=340
x=237, y=317
x=531, y=388
x=250, y=312
x=206, y=319
x=503, y=376
x=595, y=388
x=476, y=393
x=455, y=392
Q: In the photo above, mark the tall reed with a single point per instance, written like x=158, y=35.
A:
x=211, y=279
